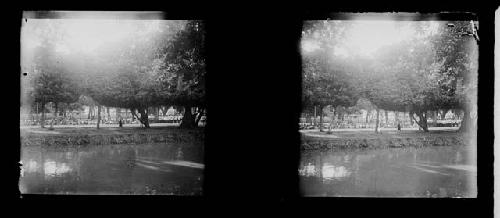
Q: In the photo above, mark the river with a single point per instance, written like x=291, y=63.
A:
x=448, y=171
x=112, y=169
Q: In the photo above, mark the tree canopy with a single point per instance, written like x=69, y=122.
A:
x=152, y=63
x=326, y=80
x=433, y=68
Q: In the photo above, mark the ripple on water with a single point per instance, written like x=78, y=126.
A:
x=441, y=171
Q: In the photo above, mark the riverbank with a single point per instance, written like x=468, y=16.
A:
x=344, y=140
x=106, y=136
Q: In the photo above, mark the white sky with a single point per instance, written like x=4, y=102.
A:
x=87, y=34
x=309, y=46
x=365, y=37
x=90, y=34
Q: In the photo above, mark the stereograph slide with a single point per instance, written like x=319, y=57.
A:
x=389, y=106
x=115, y=103
x=112, y=103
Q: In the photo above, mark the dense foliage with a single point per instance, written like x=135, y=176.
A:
x=160, y=63
x=430, y=71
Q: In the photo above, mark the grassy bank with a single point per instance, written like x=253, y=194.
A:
x=106, y=136
x=370, y=140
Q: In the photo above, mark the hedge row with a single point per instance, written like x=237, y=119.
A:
x=368, y=143
x=133, y=138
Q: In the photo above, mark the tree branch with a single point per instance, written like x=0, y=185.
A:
x=132, y=110
x=418, y=123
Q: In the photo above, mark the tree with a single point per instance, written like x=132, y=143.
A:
x=419, y=75
x=131, y=89
x=50, y=82
x=325, y=79
x=457, y=43
x=181, y=72
x=407, y=79
x=160, y=63
x=365, y=104
x=322, y=88
x=130, y=80
x=435, y=69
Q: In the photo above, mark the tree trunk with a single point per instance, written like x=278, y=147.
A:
x=422, y=122
x=134, y=115
x=109, y=115
x=200, y=114
x=396, y=117
x=157, y=113
x=37, y=115
x=321, y=119
x=410, y=114
x=386, y=114
x=367, y=113
x=164, y=110
x=54, y=117
x=457, y=115
x=188, y=118
x=467, y=123
x=55, y=110
x=434, y=117
x=98, y=115
x=42, y=121
x=377, y=121
x=144, y=117
x=62, y=111
x=117, y=114
x=464, y=124
x=315, y=116
x=442, y=114
x=332, y=119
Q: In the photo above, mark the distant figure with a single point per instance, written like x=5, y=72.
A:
x=120, y=123
x=399, y=126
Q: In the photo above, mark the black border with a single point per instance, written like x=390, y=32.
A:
x=253, y=92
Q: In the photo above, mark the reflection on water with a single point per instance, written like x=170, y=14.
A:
x=308, y=170
x=112, y=169
x=404, y=172
x=328, y=172
x=334, y=172
x=52, y=168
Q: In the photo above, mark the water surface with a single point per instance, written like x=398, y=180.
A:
x=399, y=172
x=112, y=169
